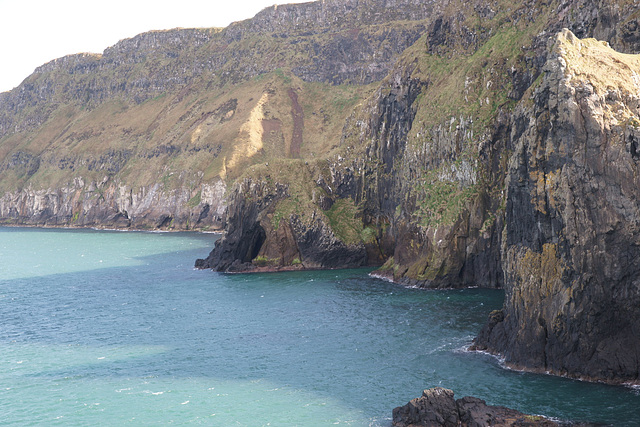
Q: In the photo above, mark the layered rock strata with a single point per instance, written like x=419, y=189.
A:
x=572, y=229
x=109, y=205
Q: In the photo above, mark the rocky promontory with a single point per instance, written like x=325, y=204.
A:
x=572, y=234
x=503, y=157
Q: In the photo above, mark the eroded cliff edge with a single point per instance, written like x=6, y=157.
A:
x=572, y=231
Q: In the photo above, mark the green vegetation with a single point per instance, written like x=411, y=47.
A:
x=443, y=202
x=286, y=79
x=441, y=198
x=346, y=223
x=283, y=211
x=195, y=200
x=262, y=261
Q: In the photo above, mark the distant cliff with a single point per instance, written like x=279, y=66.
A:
x=450, y=144
x=139, y=135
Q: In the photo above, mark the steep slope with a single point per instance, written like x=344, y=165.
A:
x=421, y=164
x=149, y=133
x=572, y=231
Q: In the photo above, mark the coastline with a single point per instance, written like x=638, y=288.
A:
x=517, y=368
x=71, y=227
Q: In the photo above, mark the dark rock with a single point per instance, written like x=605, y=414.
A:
x=437, y=407
x=571, y=278
x=253, y=243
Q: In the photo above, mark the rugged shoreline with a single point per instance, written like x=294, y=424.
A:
x=98, y=228
x=437, y=407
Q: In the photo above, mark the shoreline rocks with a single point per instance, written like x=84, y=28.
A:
x=438, y=407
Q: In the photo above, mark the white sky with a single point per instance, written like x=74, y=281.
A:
x=33, y=32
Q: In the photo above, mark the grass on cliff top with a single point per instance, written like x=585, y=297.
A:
x=473, y=86
x=299, y=177
x=475, y=80
x=611, y=74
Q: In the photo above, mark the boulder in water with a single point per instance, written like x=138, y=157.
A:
x=438, y=408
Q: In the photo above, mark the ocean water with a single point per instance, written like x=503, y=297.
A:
x=113, y=328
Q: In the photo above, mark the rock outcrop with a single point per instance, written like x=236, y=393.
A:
x=437, y=407
x=572, y=231
x=511, y=164
x=269, y=231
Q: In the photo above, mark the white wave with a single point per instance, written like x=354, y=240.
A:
x=380, y=277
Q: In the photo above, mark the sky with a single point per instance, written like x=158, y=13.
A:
x=34, y=32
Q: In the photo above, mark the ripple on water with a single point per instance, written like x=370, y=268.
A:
x=144, y=338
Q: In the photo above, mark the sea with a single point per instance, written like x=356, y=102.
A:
x=108, y=328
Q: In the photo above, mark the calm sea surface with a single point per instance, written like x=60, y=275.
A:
x=112, y=328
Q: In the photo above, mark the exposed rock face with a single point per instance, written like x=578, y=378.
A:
x=438, y=408
x=445, y=246
x=204, y=102
x=572, y=221
x=532, y=185
x=291, y=243
x=109, y=205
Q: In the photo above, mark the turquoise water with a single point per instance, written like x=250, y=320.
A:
x=112, y=328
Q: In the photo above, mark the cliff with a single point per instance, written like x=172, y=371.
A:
x=571, y=227
x=462, y=168
x=151, y=132
x=451, y=144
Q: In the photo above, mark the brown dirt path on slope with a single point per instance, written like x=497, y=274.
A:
x=298, y=124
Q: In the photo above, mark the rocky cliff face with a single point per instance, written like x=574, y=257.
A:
x=477, y=161
x=269, y=231
x=108, y=204
x=572, y=232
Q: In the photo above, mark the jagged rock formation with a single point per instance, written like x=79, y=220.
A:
x=572, y=220
x=437, y=407
x=459, y=170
